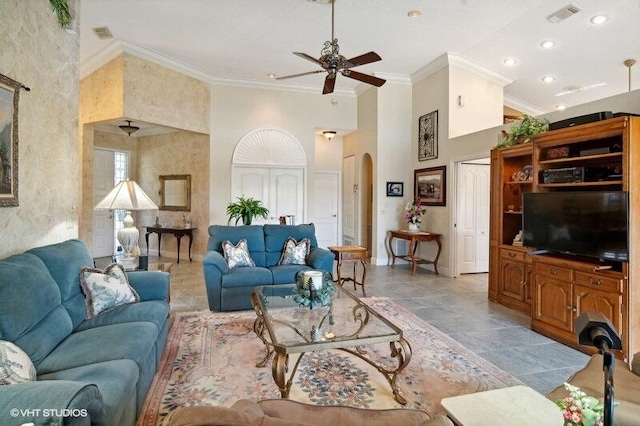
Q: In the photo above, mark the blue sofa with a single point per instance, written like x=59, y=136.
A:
x=230, y=289
x=100, y=369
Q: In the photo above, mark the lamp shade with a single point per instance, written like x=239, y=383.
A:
x=126, y=195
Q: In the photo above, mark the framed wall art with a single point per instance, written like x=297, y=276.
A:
x=428, y=136
x=395, y=189
x=9, y=96
x=430, y=185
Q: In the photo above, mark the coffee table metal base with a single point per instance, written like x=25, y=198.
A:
x=401, y=350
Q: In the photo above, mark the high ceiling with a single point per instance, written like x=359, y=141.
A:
x=245, y=40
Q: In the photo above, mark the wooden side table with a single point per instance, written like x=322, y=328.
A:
x=414, y=238
x=178, y=232
x=354, y=255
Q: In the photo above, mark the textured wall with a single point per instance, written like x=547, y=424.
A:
x=35, y=51
x=102, y=93
x=176, y=153
x=156, y=94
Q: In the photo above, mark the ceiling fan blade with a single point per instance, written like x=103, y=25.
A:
x=299, y=75
x=329, y=84
x=307, y=57
x=365, y=78
x=367, y=58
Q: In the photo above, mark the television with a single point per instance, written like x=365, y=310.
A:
x=588, y=223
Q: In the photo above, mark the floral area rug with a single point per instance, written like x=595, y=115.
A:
x=211, y=359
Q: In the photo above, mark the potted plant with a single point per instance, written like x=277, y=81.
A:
x=246, y=209
x=524, y=131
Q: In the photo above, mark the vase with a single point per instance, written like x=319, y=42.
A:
x=414, y=227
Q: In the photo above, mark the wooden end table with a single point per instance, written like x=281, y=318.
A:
x=414, y=239
x=355, y=255
x=177, y=231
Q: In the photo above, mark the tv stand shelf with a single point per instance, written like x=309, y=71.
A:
x=552, y=288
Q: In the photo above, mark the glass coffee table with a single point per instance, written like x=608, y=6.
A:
x=347, y=324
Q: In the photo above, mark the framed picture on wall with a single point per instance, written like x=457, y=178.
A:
x=430, y=185
x=428, y=136
x=395, y=189
x=9, y=96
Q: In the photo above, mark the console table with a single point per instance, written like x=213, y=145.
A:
x=178, y=232
x=414, y=239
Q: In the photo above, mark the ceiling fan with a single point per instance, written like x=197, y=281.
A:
x=332, y=62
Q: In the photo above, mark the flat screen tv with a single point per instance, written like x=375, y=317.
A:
x=590, y=223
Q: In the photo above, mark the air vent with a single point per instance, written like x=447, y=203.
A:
x=562, y=14
x=103, y=33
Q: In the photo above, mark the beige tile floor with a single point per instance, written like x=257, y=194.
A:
x=457, y=306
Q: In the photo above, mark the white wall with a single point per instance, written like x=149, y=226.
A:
x=236, y=111
x=328, y=154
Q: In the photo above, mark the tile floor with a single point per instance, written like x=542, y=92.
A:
x=457, y=306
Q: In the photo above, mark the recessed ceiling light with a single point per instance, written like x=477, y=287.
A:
x=510, y=62
x=561, y=107
x=599, y=19
x=414, y=13
x=548, y=44
x=271, y=75
x=548, y=79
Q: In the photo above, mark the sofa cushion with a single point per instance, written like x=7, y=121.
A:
x=132, y=340
x=154, y=311
x=286, y=274
x=31, y=315
x=237, y=255
x=276, y=235
x=247, y=277
x=15, y=365
x=64, y=261
x=116, y=381
x=252, y=233
x=106, y=289
x=294, y=252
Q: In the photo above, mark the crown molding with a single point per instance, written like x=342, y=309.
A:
x=394, y=78
x=464, y=63
x=523, y=106
x=117, y=47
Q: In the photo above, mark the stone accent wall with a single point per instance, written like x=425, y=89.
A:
x=37, y=52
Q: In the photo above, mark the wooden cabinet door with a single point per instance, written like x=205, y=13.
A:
x=512, y=279
x=606, y=302
x=553, y=302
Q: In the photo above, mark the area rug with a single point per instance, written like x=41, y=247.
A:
x=211, y=358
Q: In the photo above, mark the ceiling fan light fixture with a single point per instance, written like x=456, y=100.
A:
x=128, y=128
x=329, y=134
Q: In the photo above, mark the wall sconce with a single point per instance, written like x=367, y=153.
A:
x=329, y=134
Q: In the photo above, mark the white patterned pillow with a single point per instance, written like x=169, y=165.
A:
x=295, y=253
x=106, y=289
x=15, y=365
x=237, y=255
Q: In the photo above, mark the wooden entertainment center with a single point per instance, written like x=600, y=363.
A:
x=554, y=289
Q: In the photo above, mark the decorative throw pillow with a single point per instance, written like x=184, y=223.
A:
x=15, y=365
x=237, y=255
x=295, y=253
x=106, y=289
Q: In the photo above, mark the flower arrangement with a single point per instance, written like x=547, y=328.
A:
x=414, y=211
x=580, y=409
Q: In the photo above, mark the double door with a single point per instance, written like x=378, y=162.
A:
x=281, y=190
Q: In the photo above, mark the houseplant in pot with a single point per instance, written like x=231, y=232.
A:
x=246, y=209
x=524, y=131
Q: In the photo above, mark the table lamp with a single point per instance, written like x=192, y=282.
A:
x=127, y=195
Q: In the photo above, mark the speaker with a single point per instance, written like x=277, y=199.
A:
x=583, y=119
x=143, y=262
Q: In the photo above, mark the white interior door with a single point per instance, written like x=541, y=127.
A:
x=348, y=200
x=324, y=208
x=280, y=190
x=472, y=218
x=103, y=176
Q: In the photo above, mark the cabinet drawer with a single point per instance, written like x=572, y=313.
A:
x=605, y=283
x=512, y=255
x=354, y=255
x=552, y=271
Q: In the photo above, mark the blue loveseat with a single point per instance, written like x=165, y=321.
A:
x=95, y=371
x=230, y=289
